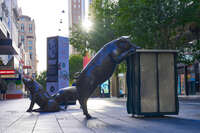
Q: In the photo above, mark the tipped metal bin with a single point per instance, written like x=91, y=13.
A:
x=151, y=82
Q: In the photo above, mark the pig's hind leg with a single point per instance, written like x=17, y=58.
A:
x=83, y=103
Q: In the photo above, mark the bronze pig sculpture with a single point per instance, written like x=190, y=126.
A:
x=101, y=68
x=66, y=96
x=39, y=96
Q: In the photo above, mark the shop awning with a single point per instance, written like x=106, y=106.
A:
x=6, y=47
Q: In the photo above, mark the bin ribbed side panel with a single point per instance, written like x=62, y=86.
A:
x=148, y=82
x=166, y=82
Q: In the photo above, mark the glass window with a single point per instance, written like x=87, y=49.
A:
x=22, y=38
x=22, y=27
x=79, y=6
x=74, y=6
x=21, y=18
x=78, y=1
x=30, y=47
x=30, y=42
x=74, y=1
x=30, y=28
x=30, y=55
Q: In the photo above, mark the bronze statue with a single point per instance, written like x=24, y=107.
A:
x=98, y=70
x=39, y=96
x=66, y=96
x=101, y=68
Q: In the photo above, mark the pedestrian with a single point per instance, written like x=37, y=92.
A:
x=3, y=88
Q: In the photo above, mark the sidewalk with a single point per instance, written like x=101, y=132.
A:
x=189, y=98
x=109, y=116
x=192, y=98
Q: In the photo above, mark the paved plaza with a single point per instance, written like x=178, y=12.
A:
x=110, y=117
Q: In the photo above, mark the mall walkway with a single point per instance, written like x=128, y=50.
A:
x=111, y=117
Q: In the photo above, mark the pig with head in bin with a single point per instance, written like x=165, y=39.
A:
x=101, y=68
x=98, y=70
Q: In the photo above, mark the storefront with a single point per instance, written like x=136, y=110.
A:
x=122, y=85
x=188, y=79
x=14, y=84
x=181, y=80
x=11, y=69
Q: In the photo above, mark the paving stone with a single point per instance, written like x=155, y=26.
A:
x=109, y=116
x=77, y=130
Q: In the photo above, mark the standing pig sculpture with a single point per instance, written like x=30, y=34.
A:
x=39, y=96
x=101, y=68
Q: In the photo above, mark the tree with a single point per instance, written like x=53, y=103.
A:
x=41, y=78
x=79, y=39
x=154, y=23
x=159, y=24
x=151, y=24
x=75, y=65
x=102, y=16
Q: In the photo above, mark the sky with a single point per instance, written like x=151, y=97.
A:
x=47, y=15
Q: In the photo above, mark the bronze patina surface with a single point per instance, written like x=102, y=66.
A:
x=39, y=96
x=101, y=68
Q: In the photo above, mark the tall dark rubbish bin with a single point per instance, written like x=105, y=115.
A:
x=151, y=82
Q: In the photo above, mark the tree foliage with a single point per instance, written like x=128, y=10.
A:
x=75, y=65
x=41, y=78
x=79, y=38
x=161, y=24
x=102, y=14
x=157, y=24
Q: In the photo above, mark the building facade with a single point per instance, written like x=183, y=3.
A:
x=27, y=39
x=76, y=12
x=10, y=67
